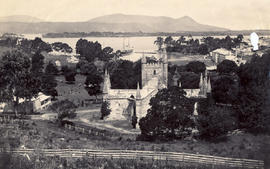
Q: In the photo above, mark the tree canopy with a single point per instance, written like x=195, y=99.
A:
x=169, y=115
x=227, y=67
x=16, y=78
x=196, y=67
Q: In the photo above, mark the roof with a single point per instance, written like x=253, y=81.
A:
x=222, y=51
x=40, y=97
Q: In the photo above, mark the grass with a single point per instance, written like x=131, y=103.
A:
x=44, y=134
x=42, y=162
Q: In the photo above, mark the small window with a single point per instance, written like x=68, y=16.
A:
x=154, y=72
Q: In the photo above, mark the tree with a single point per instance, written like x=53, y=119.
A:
x=69, y=74
x=125, y=75
x=86, y=68
x=107, y=54
x=89, y=50
x=196, y=67
x=92, y=84
x=225, y=89
x=169, y=115
x=51, y=69
x=64, y=108
x=227, y=67
x=189, y=80
x=105, y=109
x=168, y=41
x=16, y=78
x=62, y=47
x=159, y=42
x=215, y=122
x=49, y=84
x=37, y=64
x=253, y=95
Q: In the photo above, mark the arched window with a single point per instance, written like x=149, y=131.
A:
x=154, y=72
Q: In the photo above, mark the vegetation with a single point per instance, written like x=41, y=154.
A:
x=105, y=109
x=36, y=45
x=64, y=108
x=193, y=46
x=61, y=47
x=227, y=67
x=69, y=74
x=169, y=115
x=92, y=83
x=16, y=78
x=254, y=85
x=196, y=67
x=215, y=121
x=125, y=74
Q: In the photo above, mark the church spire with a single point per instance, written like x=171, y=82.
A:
x=107, y=83
x=138, y=93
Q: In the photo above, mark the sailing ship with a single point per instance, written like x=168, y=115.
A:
x=126, y=49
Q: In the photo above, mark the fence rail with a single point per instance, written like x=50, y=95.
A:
x=152, y=155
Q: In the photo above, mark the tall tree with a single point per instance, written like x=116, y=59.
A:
x=16, y=78
x=227, y=67
x=92, y=83
x=37, y=63
x=169, y=115
x=159, y=42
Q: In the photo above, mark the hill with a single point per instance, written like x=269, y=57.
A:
x=157, y=23
x=20, y=18
x=108, y=23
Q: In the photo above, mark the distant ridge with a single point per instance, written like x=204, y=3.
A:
x=20, y=18
x=107, y=23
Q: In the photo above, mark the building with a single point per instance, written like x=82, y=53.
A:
x=221, y=54
x=41, y=102
x=154, y=78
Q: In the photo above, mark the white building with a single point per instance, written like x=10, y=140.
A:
x=41, y=102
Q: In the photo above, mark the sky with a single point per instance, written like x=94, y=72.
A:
x=232, y=14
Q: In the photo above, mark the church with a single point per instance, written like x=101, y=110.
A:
x=125, y=102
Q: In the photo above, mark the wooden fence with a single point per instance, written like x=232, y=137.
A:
x=150, y=155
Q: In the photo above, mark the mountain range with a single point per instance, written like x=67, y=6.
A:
x=107, y=23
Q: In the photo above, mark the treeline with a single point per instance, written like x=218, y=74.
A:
x=132, y=34
x=188, y=45
x=32, y=46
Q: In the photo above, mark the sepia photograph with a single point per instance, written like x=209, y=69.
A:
x=134, y=84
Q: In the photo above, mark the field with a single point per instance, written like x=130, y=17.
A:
x=45, y=134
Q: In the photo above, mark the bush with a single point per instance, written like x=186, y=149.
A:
x=64, y=108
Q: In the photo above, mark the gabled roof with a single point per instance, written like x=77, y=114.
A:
x=222, y=51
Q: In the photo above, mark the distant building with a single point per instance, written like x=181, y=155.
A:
x=219, y=55
x=222, y=54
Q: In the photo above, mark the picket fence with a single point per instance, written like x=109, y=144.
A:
x=150, y=155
